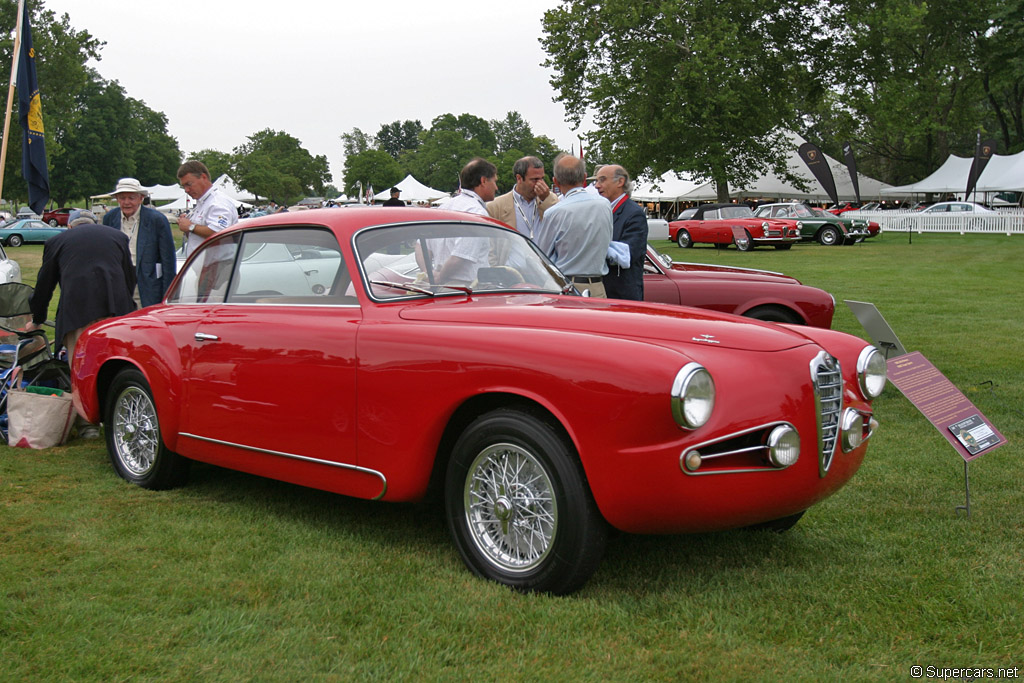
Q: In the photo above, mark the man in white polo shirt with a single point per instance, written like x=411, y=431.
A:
x=214, y=210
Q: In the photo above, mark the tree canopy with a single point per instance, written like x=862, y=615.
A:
x=708, y=87
x=438, y=153
x=274, y=164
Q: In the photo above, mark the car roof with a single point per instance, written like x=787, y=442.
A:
x=351, y=221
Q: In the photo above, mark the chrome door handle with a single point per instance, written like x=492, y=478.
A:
x=206, y=337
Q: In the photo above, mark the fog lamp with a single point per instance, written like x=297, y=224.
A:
x=853, y=429
x=783, y=446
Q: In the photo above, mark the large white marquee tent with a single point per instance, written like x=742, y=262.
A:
x=1002, y=174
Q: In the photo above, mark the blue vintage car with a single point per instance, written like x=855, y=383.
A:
x=18, y=232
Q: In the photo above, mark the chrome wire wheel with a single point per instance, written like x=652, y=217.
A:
x=510, y=507
x=136, y=431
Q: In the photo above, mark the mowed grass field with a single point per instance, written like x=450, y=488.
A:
x=235, y=577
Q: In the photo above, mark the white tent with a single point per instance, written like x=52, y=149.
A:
x=228, y=186
x=950, y=177
x=771, y=186
x=413, y=191
x=1001, y=174
x=668, y=188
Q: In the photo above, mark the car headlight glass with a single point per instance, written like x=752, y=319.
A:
x=693, y=396
x=871, y=372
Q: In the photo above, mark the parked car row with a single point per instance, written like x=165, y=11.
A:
x=510, y=395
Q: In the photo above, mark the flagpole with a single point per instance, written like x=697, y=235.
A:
x=10, y=95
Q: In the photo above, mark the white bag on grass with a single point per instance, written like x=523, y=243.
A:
x=39, y=417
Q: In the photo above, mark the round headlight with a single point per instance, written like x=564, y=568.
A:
x=783, y=446
x=871, y=372
x=764, y=225
x=852, y=429
x=693, y=396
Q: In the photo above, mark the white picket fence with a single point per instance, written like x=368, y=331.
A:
x=1005, y=221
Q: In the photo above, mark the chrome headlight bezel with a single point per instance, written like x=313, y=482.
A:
x=871, y=372
x=693, y=396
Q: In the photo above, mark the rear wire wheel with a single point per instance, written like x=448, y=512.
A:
x=134, y=441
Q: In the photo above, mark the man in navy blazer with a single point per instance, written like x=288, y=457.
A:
x=629, y=226
x=150, y=240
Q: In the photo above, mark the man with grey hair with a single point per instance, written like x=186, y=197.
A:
x=629, y=228
x=575, y=232
x=523, y=207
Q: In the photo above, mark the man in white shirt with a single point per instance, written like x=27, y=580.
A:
x=457, y=259
x=214, y=210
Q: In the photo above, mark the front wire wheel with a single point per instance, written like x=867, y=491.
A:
x=518, y=505
x=133, y=434
x=510, y=507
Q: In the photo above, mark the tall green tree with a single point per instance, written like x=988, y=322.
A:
x=62, y=52
x=701, y=86
x=216, y=161
x=274, y=164
x=905, y=81
x=374, y=167
x=398, y=136
x=1001, y=63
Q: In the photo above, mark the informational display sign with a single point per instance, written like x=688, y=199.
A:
x=945, y=406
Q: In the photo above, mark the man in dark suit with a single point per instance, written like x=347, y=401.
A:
x=149, y=238
x=629, y=227
x=93, y=267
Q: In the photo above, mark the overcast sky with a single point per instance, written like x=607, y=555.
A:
x=223, y=69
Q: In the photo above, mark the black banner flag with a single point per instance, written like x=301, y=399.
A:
x=983, y=151
x=816, y=161
x=851, y=166
x=33, y=146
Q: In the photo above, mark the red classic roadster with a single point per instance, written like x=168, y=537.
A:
x=543, y=417
x=725, y=224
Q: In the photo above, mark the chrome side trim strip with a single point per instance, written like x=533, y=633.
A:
x=315, y=461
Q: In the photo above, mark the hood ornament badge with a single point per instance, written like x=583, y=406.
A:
x=707, y=339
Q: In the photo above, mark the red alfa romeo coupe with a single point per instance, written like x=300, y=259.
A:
x=387, y=353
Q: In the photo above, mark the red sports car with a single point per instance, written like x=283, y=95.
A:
x=725, y=224
x=290, y=347
x=58, y=216
x=758, y=294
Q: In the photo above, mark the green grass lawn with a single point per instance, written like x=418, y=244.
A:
x=236, y=577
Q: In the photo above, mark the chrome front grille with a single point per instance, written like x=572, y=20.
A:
x=828, y=398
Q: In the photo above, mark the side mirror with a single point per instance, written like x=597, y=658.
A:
x=665, y=259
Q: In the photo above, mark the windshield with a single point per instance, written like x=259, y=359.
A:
x=429, y=259
x=736, y=212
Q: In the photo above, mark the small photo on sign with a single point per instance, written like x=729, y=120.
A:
x=974, y=434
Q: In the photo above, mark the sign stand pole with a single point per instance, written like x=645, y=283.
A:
x=967, y=493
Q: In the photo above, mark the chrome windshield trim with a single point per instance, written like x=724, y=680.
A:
x=293, y=456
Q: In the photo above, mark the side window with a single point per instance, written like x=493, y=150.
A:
x=206, y=278
x=297, y=265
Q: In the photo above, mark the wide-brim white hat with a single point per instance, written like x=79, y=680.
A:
x=129, y=185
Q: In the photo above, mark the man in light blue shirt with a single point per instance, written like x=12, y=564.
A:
x=575, y=232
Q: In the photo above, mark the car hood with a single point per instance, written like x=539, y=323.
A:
x=713, y=272
x=625, y=319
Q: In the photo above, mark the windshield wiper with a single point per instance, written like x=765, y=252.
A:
x=402, y=285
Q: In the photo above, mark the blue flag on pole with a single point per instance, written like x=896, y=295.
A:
x=30, y=113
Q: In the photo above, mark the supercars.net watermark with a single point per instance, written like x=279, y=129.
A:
x=944, y=673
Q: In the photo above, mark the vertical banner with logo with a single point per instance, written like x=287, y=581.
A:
x=851, y=166
x=983, y=151
x=30, y=113
x=816, y=161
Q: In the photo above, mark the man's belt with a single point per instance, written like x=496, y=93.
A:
x=588, y=279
